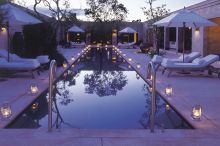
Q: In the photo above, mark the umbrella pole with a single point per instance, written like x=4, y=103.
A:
x=7, y=26
x=184, y=26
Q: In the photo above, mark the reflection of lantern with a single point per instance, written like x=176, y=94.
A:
x=78, y=54
x=129, y=59
x=34, y=106
x=168, y=90
x=72, y=66
x=138, y=76
x=4, y=29
x=150, y=89
x=167, y=107
x=6, y=110
x=129, y=66
x=64, y=65
x=34, y=89
x=72, y=58
x=197, y=112
x=124, y=55
x=65, y=74
x=151, y=78
x=114, y=58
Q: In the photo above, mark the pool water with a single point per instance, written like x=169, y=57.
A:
x=100, y=93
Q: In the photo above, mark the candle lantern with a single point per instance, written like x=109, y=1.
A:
x=34, y=89
x=138, y=66
x=6, y=111
x=168, y=90
x=196, y=112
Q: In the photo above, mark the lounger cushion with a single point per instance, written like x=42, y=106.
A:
x=19, y=65
x=43, y=59
x=196, y=64
x=157, y=59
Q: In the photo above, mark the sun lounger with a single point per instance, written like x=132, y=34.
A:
x=157, y=60
x=19, y=66
x=127, y=45
x=43, y=59
x=199, y=64
x=78, y=45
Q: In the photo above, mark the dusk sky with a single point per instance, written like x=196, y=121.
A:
x=134, y=6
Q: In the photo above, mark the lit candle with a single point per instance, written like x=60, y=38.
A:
x=34, y=89
x=138, y=66
x=129, y=59
x=6, y=110
x=197, y=112
x=78, y=54
x=124, y=55
x=72, y=66
x=168, y=90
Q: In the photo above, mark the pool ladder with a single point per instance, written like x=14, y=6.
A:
x=52, y=74
x=151, y=74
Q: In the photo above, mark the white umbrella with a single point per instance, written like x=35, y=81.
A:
x=127, y=30
x=75, y=29
x=15, y=16
x=184, y=18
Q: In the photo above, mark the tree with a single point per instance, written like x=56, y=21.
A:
x=60, y=11
x=154, y=14
x=106, y=10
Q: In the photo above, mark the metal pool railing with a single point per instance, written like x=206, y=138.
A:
x=151, y=74
x=52, y=73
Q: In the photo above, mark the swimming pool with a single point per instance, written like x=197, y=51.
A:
x=100, y=91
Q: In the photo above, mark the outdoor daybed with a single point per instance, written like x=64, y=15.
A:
x=19, y=66
x=78, y=45
x=157, y=60
x=43, y=59
x=127, y=45
x=199, y=64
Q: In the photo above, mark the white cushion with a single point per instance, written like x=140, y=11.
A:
x=43, y=59
x=157, y=59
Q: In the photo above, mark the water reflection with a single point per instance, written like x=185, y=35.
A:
x=165, y=118
x=105, y=83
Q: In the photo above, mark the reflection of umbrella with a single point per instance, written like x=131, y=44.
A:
x=14, y=16
x=75, y=29
x=184, y=18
